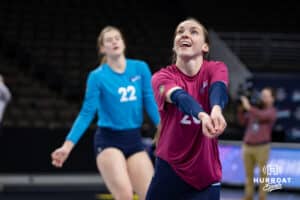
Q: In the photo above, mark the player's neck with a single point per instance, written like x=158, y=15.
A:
x=268, y=105
x=190, y=67
x=117, y=64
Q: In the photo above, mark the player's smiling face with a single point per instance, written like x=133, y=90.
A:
x=189, y=40
x=113, y=44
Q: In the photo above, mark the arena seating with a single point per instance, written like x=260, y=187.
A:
x=53, y=47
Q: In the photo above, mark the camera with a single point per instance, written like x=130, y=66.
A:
x=247, y=89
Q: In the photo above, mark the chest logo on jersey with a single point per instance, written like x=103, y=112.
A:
x=135, y=78
x=204, y=85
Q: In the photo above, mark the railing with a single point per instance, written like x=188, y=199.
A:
x=273, y=50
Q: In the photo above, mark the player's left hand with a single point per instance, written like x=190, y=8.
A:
x=218, y=120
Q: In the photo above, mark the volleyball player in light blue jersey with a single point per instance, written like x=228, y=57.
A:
x=118, y=91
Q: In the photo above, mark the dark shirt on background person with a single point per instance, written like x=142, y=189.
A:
x=259, y=124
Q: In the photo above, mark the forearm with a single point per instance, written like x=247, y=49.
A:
x=157, y=134
x=186, y=103
x=242, y=119
x=261, y=114
x=82, y=121
x=218, y=95
x=201, y=115
x=79, y=127
x=152, y=110
x=68, y=145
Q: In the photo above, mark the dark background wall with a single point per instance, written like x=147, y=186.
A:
x=248, y=16
x=49, y=46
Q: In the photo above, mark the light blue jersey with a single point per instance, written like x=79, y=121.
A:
x=118, y=99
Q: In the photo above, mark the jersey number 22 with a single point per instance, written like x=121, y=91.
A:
x=127, y=93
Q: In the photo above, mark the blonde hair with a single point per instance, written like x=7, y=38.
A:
x=103, y=58
x=205, y=32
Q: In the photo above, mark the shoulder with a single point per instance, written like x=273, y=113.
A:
x=136, y=62
x=96, y=74
x=138, y=66
x=274, y=110
x=271, y=112
x=100, y=69
x=216, y=69
x=165, y=75
x=168, y=71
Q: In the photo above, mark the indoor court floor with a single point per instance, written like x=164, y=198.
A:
x=226, y=194
x=91, y=187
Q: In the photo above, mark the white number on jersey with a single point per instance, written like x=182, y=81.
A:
x=187, y=120
x=127, y=94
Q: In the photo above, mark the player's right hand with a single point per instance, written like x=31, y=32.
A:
x=207, y=125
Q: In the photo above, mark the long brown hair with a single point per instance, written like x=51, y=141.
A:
x=103, y=58
x=205, y=32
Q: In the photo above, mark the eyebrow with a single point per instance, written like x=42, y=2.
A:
x=193, y=27
x=109, y=37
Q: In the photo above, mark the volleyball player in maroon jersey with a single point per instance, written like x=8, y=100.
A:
x=191, y=94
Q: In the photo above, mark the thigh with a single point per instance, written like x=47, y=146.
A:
x=262, y=155
x=249, y=159
x=166, y=184
x=214, y=193
x=112, y=166
x=140, y=171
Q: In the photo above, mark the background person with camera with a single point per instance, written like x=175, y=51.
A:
x=259, y=121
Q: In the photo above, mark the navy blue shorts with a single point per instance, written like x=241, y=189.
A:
x=128, y=142
x=166, y=184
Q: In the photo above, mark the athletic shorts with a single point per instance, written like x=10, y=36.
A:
x=128, y=141
x=166, y=184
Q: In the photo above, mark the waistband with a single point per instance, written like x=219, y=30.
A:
x=110, y=130
x=258, y=143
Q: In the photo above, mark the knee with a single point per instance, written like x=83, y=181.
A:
x=124, y=195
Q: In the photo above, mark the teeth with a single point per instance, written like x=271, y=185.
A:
x=186, y=43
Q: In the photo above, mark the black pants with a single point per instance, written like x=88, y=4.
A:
x=166, y=184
